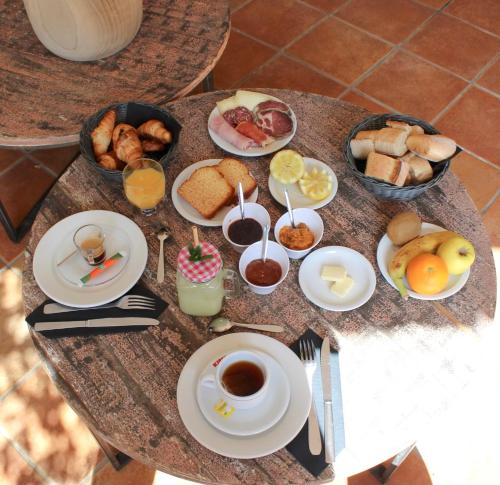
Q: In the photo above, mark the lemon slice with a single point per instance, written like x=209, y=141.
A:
x=316, y=184
x=287, y=166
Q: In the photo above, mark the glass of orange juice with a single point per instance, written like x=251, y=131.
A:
x=144, y=185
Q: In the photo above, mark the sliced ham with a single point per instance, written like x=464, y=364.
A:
x=251, y=130
x=238, y=115
x=220, y=126
x=275, y=123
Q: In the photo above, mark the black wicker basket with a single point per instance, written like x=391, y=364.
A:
x=383, y=189
x=134, y=113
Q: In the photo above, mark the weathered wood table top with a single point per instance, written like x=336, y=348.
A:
x=44, y=98
x=401, y=362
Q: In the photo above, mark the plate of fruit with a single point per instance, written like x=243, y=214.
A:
x=311, y=183
x=423, y=260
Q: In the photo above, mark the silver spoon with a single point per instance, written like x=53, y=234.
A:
x=162, y=235
x=289, y=207
x=265, y=239
x=222, y=324
x=241, y=200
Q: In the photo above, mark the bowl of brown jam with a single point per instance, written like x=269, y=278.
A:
x=263, y=277
x=240, y=233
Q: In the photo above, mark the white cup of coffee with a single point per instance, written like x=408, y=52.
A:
x=241, y=377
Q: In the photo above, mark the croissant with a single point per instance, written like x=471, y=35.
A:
x=119, y=128
x=101, y=134
x=155, y=129
x=110, y=161
x=152, y=145
x=128, y=146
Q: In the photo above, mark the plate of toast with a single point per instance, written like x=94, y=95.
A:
x=205, y=192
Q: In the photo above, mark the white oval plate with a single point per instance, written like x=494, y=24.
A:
x=386, y=250
x=54, y=285
x=246, y=422
x=186, y=210
x=254, y=446
x=297, y=198
x=255, y=151
x=318, y=291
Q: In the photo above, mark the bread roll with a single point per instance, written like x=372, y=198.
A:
x=420, y=169
x=432, y=147
x=361, y=148
x=416, y=130
x=391, y=141
x=387, y=169
x=366, y=135
x=400, y=125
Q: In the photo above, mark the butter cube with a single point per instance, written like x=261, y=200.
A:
x=341, y=288
x=333, y=273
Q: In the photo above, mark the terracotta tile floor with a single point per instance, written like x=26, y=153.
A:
x=437, y=59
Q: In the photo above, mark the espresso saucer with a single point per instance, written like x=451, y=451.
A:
x=246, y=422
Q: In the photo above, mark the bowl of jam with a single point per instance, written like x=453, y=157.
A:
x=241, y=233
x=263, y=277
x=299, y=240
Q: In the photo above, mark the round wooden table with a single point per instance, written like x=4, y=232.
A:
x=44, y=98
x=401, y=363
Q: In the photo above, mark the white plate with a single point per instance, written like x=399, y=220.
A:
x=246, y=422
x=297, y=198
x=386, y=250
x=47, y=255
x=263, y=443
x=187, y=211
x=318, y=291
x=73, y=268
x=255, y=151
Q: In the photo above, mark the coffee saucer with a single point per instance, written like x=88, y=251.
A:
x=246, y=422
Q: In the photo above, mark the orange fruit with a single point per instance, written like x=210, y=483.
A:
x=427, y=274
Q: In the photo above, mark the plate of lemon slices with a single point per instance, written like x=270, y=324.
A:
x=311, y=183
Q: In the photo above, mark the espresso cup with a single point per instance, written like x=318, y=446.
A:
x=241, y=378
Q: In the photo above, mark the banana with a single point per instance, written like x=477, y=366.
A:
x=423, y=244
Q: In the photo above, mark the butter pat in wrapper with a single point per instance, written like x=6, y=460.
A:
x=333, y=273
x=102, y=267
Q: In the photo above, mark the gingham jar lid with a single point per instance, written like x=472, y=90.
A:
x=200, y=271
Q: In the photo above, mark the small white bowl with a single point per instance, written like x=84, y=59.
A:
x=275, y=252
x=309, y=217
x=252, y=211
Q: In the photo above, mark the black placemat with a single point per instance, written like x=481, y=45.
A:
x=299, y=446
x=37, y=315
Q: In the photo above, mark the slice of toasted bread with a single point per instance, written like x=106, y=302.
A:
x=207, y=191
x=235, y=171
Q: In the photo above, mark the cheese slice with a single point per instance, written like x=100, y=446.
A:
x=227, y=104
x=333, y=273
x=250, y=99
x=341, y=288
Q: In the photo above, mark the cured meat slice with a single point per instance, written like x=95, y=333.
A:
x=275, y=123
x=238, y=115
x=220, y=126
x=251, y=130
x=272, y=104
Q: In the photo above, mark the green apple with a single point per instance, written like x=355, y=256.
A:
x=458, y=254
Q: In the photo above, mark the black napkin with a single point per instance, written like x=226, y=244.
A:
x=37, y=315
x=299, y=447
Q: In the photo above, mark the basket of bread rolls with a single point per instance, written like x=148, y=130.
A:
x=121, y=134
x=398, y=156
